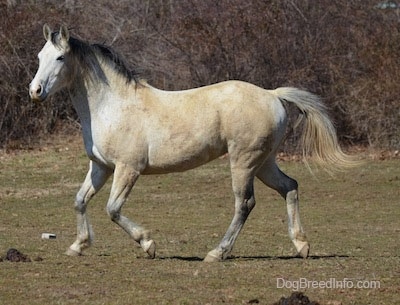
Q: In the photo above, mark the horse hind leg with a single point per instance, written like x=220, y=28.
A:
x=95, y=179
x=124, y=179
x=272, y=176
x=242, y=183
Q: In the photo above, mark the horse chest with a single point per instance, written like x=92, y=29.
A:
x=99, y=155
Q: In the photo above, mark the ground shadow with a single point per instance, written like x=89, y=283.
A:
x=182, y=258
x=258, y=258
x=288, y=257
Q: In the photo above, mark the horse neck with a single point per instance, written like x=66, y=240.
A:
x=89, y=93
x=80, y=100
x=84, y=94
x=85, y=97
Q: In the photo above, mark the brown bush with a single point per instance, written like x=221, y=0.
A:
x=345, y=51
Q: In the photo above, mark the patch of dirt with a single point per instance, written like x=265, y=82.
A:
x=13, y=255
x=296, y=298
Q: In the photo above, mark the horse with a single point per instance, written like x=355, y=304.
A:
x=131, y=128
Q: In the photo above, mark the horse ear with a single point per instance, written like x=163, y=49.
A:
x=64, y=37
x=64, y=33
x=46, y=32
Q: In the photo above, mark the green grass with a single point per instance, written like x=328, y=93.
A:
x=352, y=221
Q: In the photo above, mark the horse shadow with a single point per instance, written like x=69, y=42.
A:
x=258, y=257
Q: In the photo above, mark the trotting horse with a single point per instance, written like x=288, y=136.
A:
x=131, y=128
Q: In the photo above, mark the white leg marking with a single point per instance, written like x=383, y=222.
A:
x=95, y=179
x=124, y=179
x=272, y=176
x=296, y=232
x=242, y=183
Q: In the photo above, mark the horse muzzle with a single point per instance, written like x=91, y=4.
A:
x=37, y=93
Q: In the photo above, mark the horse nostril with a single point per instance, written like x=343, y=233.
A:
x=36, y=91
x=39, y=90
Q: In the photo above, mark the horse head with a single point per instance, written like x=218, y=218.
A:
x=52, y=74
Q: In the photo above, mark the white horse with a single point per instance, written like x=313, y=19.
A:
x=131, y=128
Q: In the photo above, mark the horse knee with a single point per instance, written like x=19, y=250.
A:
x=80, y=204
x=113, y=213
x=250, y=203
x=246, y=200
x=245, y=205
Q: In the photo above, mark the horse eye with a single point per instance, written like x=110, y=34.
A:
x=60, y=58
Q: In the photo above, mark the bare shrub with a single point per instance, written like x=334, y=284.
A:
x=345, y=51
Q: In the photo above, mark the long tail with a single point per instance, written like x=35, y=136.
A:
x=319, y=139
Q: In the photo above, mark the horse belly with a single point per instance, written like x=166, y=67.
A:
x=181, y=155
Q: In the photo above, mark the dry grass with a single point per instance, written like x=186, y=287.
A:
x=351, y=221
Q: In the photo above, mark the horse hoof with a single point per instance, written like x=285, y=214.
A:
x=149, y=246
x=305, y=250
x=71, y=252
x=212, y=257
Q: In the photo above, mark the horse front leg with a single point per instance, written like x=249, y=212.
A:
x=124, y=179
x=95, y=179
x=242, y=183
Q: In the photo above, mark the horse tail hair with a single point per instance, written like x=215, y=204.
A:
x=319, y=140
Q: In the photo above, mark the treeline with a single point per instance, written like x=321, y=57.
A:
x=345, y=51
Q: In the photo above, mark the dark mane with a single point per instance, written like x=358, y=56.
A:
x=115, y=60
x=90, y=56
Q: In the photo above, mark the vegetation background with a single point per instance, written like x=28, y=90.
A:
x=345, y=51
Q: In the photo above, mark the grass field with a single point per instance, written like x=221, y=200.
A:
x=352, y=221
